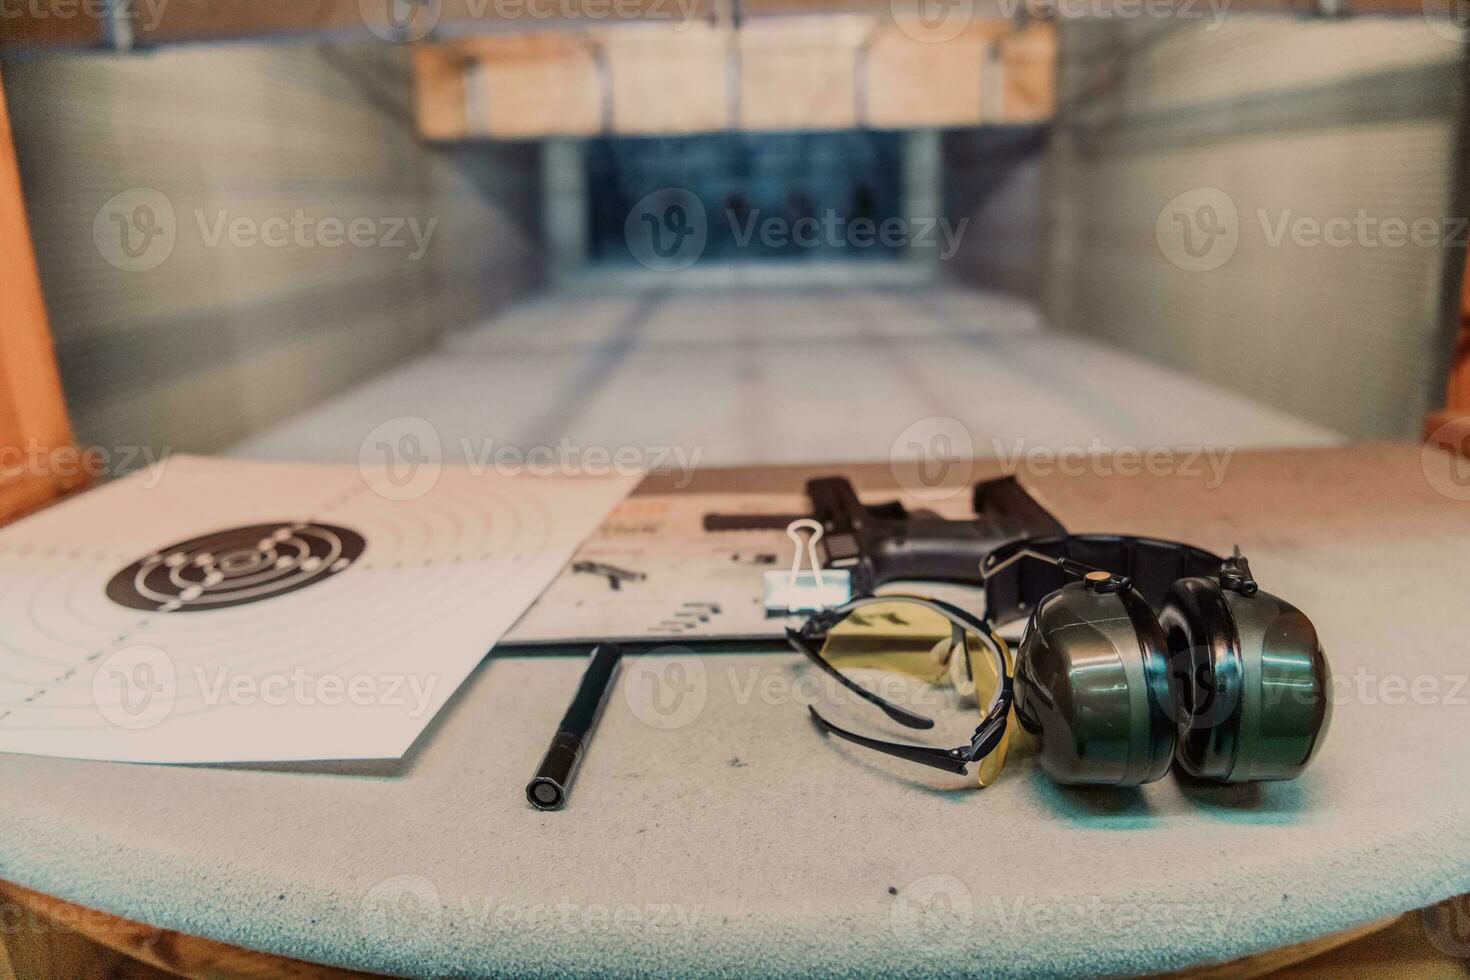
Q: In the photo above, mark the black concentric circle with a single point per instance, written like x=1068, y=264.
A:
x=235, y=567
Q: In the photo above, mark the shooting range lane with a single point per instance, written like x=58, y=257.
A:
x=719, y=368
x=718, y=833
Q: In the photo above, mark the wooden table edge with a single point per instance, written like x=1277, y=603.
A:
x=187, y=955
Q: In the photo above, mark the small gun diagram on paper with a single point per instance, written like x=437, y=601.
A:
x=615, y=576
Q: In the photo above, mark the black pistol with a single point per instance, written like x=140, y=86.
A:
x=887, y=542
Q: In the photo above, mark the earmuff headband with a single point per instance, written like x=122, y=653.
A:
x=1014, y=588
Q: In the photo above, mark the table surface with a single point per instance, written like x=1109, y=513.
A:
x=724, y=835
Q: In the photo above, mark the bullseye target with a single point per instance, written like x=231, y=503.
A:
x=236, y=566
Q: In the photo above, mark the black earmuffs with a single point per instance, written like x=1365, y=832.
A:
x=1140, y=652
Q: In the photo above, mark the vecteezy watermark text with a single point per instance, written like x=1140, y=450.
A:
x=138, y=229
x=410, y=905
x=301, y=231
x=402, y=458
x=298, y=686
x=682, y=12
x=1201, y=229
x=938, y=21
x=670, y=229
x=1361, y=230
x=146, y=13
x=1183, y=10
x=70, y=462
x=568, y=459
x=140, y=686
x=1208, y=463
x=405, y=21
x=933, y=459
x=832, y=230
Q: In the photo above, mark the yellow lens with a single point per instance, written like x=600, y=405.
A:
x=904, y=637
x=983, y=670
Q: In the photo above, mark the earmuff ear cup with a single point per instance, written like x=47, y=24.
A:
x=1205, y=677
x=1250, y=683
x=1092, y=686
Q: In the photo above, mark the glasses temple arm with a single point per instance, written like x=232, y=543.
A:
x=903, y=716
x=986, y=738
x=950, y=760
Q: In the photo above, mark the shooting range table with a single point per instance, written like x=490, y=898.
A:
x=724, y=836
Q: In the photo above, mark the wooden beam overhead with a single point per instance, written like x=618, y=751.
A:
x=1028, y=76
x=529, y=85
x=800, y=73
x=925, y=73
x=439, y=76
x=665, y=80
x=789, y=73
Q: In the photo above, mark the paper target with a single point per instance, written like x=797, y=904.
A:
x=236, y=566
x=334, y=637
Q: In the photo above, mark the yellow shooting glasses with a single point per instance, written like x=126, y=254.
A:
x=928, y=641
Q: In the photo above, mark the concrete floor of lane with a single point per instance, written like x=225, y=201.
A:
x=741, y=365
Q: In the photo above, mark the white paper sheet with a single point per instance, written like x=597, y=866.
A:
x=652, y=572
x=276, y=641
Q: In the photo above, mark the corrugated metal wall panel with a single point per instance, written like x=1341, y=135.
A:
x=220, y=338
x=1158, y=64
x=1262, y=121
